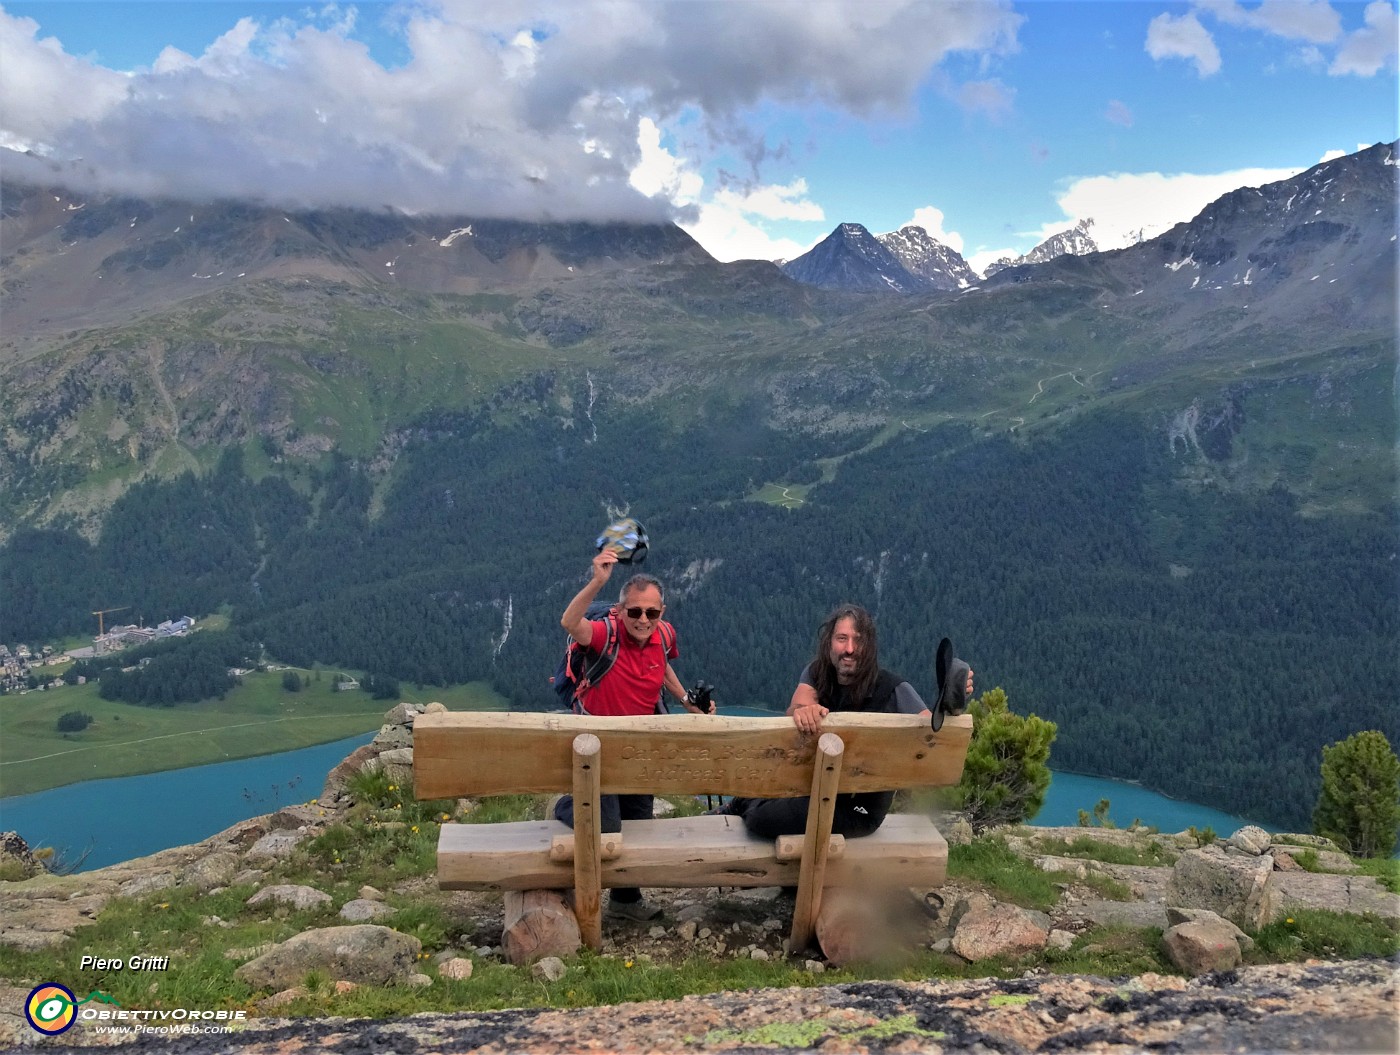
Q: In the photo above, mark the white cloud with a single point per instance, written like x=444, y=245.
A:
x=1363, y=52
x=1124, y=204
x=1371, y=49
x=728, y=233
x=1183, y=38
x=984, y=258
x=44, y=90
x=659, y=171
x=730, y=223
x=500, y=109
x=931, y=220
x=1314, y=21
x=774, y=202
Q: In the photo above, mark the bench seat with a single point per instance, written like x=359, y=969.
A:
x=588, y=757
x=906, y=851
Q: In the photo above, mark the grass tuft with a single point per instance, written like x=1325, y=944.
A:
x=1091, y=849
x=1308, y=933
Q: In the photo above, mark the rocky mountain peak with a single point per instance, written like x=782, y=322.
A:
x=923, y=255
x=851, y=258
x=1075, y=241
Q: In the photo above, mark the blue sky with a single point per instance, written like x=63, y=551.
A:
x=758, y=124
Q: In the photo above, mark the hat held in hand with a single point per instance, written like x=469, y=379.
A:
x=627, y=538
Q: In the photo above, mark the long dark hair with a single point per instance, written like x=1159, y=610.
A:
x=867, y=661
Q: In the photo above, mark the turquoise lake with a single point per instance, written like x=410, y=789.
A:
x=126, y=817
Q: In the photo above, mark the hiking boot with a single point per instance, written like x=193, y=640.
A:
x=639, y=911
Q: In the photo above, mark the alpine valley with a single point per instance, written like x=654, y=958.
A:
x=1150, y=492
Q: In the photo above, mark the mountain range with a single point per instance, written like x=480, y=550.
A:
x=1152, y=489
x=911, y=260
x=137, y=333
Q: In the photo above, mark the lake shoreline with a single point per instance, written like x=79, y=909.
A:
x=102, y=822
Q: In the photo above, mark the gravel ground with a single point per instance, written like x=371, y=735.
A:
x=1348, y=1007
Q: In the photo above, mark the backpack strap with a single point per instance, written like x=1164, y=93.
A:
x=594, y=671
x=668, y=644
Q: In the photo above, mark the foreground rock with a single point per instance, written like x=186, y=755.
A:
x=1346, y=1007
x=364, y=954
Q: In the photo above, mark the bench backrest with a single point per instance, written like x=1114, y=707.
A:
x=457, y=754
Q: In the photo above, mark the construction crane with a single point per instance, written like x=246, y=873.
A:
x=100, y=613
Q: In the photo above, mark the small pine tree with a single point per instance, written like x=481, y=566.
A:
x=1005, y=776
x=1359, y=805
x=291, y=681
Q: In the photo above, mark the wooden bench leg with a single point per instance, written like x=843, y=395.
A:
x=537, y=923
x=588, y=839
x=826, y=777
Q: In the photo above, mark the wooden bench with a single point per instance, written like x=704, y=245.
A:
x=493, y=753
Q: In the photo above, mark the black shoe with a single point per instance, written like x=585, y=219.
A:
x=950, y=676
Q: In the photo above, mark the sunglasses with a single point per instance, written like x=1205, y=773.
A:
x=637, y=612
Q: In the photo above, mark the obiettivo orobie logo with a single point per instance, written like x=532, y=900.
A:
x=52, y=1008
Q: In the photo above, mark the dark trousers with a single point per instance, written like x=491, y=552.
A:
x=856, y=814
x=614, y=809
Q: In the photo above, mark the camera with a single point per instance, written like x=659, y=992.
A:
x=700, y=696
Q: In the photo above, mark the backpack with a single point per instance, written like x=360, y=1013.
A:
x=580, y=668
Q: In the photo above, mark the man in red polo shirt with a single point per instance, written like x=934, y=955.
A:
x=632, y=686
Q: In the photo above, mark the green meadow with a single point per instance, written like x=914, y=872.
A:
x=258, y=717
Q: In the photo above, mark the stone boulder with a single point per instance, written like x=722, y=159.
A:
x=338, y=779
x=1283, y=860
x=1203, y=945
x=17, y=861
x=397, y=764
x=402, y=714
x=392, y=736
x=1251, y=839
x=275, y=846
x=1316, y=842
x=292, y=818
x=390, y=750
x=216, y=870
x=1336, y=861
x=298, y=897
x=364, y=910
x=1177, y=916
x=988, y=929
x=366, y=954
x=1237, y=887
x=1336, y=893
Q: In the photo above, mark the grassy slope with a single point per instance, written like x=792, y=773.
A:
x=259, y=717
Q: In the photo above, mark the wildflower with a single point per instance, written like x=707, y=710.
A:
x=627, y=964
x=414, y=828
x=163, y=904
x=1289, y=921
x=393, y=787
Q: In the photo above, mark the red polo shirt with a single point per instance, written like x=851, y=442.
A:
x=633, y=685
